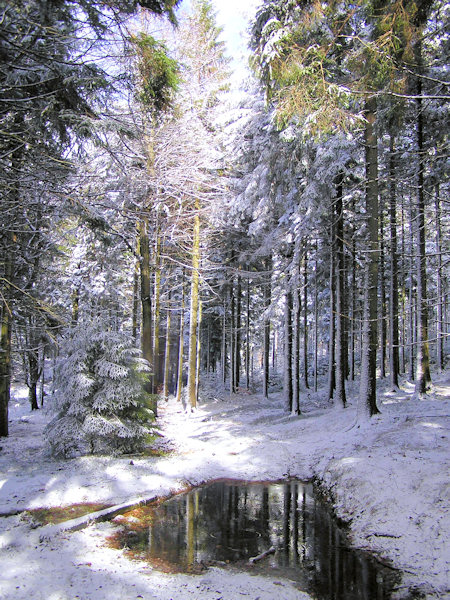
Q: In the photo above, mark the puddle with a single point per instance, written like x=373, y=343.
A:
x=284, y=525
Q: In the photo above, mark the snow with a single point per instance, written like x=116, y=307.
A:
x=387, y=476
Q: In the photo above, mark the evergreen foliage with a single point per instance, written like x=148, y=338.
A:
x=99, y=398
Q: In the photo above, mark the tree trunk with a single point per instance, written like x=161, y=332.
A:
x=331, y=341
x=369, y=350
x=135, y=306
x=340, y=295
x=423, y=377
x=287, y=388
x=296, y=350
x=237, y=345
x=193, y=314
x=305, y=317
x=5, y=361
x=157, y=312
x=266, y=342
x=439, y=315
x=146, y=301
x=181, y=345
x=247, y=339
x=167, y=353
x=382, y=312
x=393, y=280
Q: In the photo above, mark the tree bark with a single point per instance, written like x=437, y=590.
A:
x=393, y=280
x=439, y=286
x=340, y=294
x=167, y=353
x=193, y=313
x=181, y=345
x=368, y=393
x=423, y=376
x=266, y=341
x=288, y=349
x=305, y=317
x=146, y=301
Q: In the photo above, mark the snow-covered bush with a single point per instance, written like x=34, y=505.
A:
x=99, y=398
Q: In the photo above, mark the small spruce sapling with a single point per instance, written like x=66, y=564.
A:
x=100, y=403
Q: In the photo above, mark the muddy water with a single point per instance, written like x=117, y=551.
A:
x=291, y=533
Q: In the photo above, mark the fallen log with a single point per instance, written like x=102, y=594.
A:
x=255, y=559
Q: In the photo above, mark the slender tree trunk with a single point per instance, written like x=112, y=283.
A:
x=232, y=342
x=353, y=312
x=193, y=325
x=135, y=307
x=331, y=341
x=296, y=350
x=146, y=301
x=340, y=295
x=423, y=377
x=5, y=361
x=439, y=316
x=288, y=349
x=181, y=345
x=33, y=366
x=157, y=311
x=199, y=349
x=382, y=311
x=316, y=323
x=305, y=317
x=393, y=281
x=224, y=341
x=237, y=346
x=369, y=350
x=167, y=352
x=266, y=344
x=411, y=297
x=247, y=339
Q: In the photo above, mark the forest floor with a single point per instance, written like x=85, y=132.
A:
x=387, y=476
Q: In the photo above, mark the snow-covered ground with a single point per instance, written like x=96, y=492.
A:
x=388, y=476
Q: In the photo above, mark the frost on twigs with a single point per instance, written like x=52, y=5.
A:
x=100, y=403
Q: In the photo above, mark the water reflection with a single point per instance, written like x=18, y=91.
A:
x=233, y=522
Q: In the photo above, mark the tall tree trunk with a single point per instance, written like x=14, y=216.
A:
x=135, y=310
x=247, y=339
x=287, y=388
x=332, y=330
x=266, y=342
x=296, y=318
x=224, y=340
x=146, y=301
x=181, y=345
x=167, y=352
x=423, y=377
x=305, y=316
x=353, y=311
x=382, y=311
x=33, y=364
x=5, y=358
x=237, y=345
x=411, y=297
x=368, y=393
x=393, y=280
x=199, y=348
x=340, y=295
x=157, y=310
x=439, y=315
x=193, y=314
x=232, y=342
x=316, y=323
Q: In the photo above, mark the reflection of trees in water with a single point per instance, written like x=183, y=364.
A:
x=230, y=522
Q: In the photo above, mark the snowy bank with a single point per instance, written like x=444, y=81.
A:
x=388, y=477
